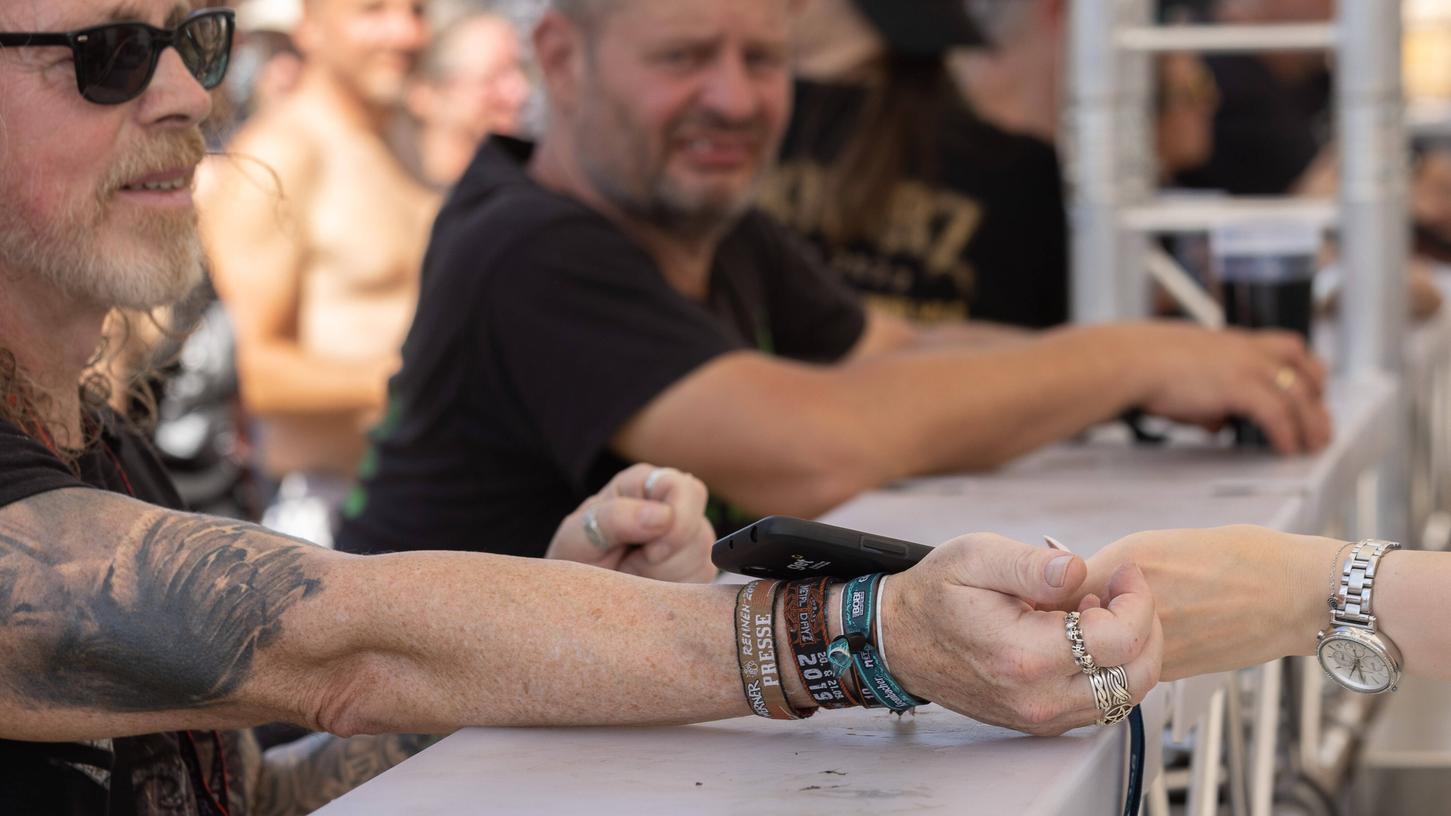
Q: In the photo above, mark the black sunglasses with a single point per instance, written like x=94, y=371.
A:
x=115, y=63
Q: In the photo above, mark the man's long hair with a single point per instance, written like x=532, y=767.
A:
x=27, y=407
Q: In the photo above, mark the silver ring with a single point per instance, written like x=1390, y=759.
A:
x=1111, y=694
x=653, y=480
x=593, y=532
x=1072, y=628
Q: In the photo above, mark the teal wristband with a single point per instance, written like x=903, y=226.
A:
x=854, y=650
x=880, y=683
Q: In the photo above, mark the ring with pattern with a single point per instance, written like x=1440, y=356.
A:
x=1081, y=656
x=1111, y=694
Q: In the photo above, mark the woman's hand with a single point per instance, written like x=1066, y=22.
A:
x=647, y=521
x=964, y=629
x=1230, y=597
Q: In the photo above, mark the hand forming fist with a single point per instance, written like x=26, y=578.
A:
x=968, y=629
x=647, y=521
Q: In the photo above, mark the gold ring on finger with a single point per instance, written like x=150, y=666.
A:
x=1286, y=378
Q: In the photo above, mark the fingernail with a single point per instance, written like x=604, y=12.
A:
x=654, y=516
x=1058, y=570
x=1056, y=544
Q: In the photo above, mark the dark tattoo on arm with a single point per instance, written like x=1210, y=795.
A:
x=305, y=775
x=119, y=607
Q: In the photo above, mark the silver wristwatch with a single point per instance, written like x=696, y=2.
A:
x=1351, y=651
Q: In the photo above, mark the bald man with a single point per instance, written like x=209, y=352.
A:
x=316, y=231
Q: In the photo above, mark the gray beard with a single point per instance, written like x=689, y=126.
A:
x=67, y=257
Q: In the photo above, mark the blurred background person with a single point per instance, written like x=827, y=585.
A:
x=1185, y=100
x=927, y=209
x=266, y=65
x=1018, y=83
x=471, y=83
x=1273, y=133
x=316, y=229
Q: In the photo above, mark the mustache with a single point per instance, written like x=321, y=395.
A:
x=755, y=127
x=167, y=152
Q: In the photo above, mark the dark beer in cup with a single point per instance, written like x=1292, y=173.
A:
x=1266, y=273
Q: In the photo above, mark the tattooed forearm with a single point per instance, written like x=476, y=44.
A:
x=163, y=611
x=305, y=775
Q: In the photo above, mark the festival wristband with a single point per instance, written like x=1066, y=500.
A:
x=856, y=605
x=880, y=683
x=756, y=652
x=806, y=623
x=854, y=650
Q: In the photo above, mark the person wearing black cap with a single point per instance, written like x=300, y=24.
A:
x=929, y=211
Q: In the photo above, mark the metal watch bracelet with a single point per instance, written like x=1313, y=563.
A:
x=1352, y=603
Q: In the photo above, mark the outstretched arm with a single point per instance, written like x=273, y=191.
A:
x=775, y=436
x=117, y=617
x=120, y=618
x=1234, y=597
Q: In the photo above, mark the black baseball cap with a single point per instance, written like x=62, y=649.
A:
x=923, y=28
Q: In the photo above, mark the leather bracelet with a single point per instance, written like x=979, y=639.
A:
x=847, y=678
x=756, y=652
x=805, y=612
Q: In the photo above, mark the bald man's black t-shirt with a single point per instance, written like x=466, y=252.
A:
x=542, y=329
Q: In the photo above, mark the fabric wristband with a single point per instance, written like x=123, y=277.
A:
x=806, y=622
x=854, y=650
x=880, y=683
x=756, y=652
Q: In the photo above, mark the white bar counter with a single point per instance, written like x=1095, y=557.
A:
x=1087, y=494
x=834, y=763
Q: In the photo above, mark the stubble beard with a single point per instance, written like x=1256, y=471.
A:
x=652, y=195
x=158, y=264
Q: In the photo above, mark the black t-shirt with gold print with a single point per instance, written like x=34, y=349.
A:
x=978, y=230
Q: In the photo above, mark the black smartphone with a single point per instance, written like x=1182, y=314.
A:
x=785, y=547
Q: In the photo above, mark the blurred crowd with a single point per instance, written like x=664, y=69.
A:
x=921, y=165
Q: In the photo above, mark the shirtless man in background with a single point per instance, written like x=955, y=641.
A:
x=316, y=231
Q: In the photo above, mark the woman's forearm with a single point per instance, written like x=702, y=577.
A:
x=1409, y=601
x=1406, y=601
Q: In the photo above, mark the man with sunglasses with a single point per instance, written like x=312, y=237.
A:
x=119, y=617
x=316, y=231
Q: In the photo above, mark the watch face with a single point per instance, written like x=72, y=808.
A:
x=1355, y=665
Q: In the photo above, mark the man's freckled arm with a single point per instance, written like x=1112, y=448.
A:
x=153, y=620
